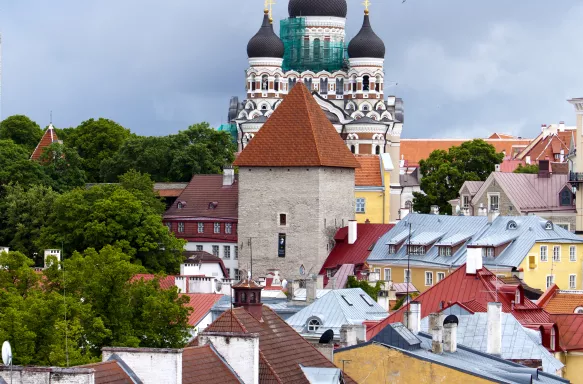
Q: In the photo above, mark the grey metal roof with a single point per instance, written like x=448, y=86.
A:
x=337, y=308
x=473, y=186
x=529, y=231
x=425, y=238
x=518, y=343
x=397, y=335
x=317, y=375
x=454, y=239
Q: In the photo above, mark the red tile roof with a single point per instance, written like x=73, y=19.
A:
x=200, y=192
x=282, y=349
x=49, y=137
x=555, y=301
x=298, y=134
x=570, y=331
x=369, y=173
x=472, y=291
x=109, y=372
x=166, y=282
x=201, y=304
x=547, y=145
x=203, y=365
x=357, y=253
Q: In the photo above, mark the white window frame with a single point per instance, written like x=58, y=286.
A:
x=405, y=273
x=390, y=274
x=464, y=205
x=517, y=296
x=392, y=249
x=313, y=325
x=237, y=276
x=573, y=283
x=563, y=225
x=573, y=253
x=199, y=248
x=377, y=271
x=360, y=205
x=228, y=228
x=217, y=227
x=236, y=252
x=181, y=227
x=440, y=276
x=445, y=251
x=557, y=255
x=488, y=252
x=497, y=196
x=218, y=249
x=552, y=281
x=226, y=252
x=428, y=278
x=200, y=228
x=546, y=253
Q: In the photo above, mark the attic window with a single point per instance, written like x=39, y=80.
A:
x=488, y=252
x=517, y=299
x=392, y=249
x=367, y=300
x=181, y=204
x=512, y=225
x=549, y=225
x=314, y=324
x=578, y=310
x=445, y=251
x=566, y=197
x=347, y=300
x=213, y=204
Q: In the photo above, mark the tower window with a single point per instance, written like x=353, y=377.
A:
x=378, y=150
x=281, y=245
x=365, y=83
x=339, y=86
x=291, y=83
x=308, y=83
x=353, y=149
x=264, y=83
x=324, y=86
x=316, y=50
x=276, y=84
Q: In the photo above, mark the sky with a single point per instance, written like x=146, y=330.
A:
x=464, y=68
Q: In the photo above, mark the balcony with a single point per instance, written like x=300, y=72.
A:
x=576, y=177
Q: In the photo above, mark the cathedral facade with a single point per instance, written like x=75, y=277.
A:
x=347, y=80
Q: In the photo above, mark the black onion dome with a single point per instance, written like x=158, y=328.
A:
x=335, y=8
x=366, y=43
x=265, y=43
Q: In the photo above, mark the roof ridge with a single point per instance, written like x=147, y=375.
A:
x=311, y=122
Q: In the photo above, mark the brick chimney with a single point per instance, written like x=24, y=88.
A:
x=544, y=168
x=248, y=296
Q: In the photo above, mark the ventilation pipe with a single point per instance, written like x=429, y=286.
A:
x=494, y=336
x=352, y=231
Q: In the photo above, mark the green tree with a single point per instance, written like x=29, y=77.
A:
x=22, y=130
x=23, y=212
x=372, y=291
x=444, y=172
x=63, y=166
x=16, y=167
x=110, y=214
x=528, y=168
x=96, y=140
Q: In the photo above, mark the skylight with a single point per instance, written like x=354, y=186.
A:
x=347, y=300
x=367, y=300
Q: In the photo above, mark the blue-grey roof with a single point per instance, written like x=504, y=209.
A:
x=283, y=308
x=317, y=375
x=475, y=230
x=518, y=343
x=425, y=238
x=337, y=308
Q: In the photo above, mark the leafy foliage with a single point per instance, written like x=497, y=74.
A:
x=444, y=172
x=15, y=166
x=22, y=131
x=528, y=168
x=63, y=166
x=372, y=291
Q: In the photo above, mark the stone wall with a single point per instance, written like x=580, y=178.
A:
x=316, y=202
x=46, y=375
x=506, y=208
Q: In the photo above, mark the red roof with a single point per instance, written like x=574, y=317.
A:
x=204, y=365
x=201, y=304
x=357, y=253
x=166, y=282
x=109, y=372
x=548, y=145
x=298, y=134
x=369, y=173
x=49, y=137
x=198, y=198
x=570, y=331
x=282, y=349
x=474, y=292
x=555, y=301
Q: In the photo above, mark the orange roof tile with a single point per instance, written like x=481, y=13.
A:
x=204, y=365
x=201, y=304
x=298, y=134
x=369, y=173
x=49, y=137
x=109, y=372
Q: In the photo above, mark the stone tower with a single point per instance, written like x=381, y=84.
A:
x=296, y=187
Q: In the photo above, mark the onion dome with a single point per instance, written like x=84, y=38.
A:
x=334, y=8
x=366, y=43
x=265, y=43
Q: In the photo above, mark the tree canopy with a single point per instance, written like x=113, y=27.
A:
x=444, y=172
x=528, y=168
x=22, y=131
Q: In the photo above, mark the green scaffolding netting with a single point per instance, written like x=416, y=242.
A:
x=230, y=129
x=302, y=55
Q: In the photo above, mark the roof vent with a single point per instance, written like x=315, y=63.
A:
x=549, y=225
x=213, y=204
x=512, y=225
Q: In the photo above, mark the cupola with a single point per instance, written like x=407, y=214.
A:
x=366, y=44
x=248, y=295
x=265, y=43
x=331, y=8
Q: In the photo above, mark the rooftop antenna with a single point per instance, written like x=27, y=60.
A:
x=7, y=357
x=408, y=274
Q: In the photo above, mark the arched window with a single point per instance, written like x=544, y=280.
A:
x=354, y=84
x=264, y=83
x=378, y=150
x=409, y=205
x=306, y=58
x=365, y=83
x=365, y=108
x=253, y=297
x=276, y=84
x=308, y=83
x=339, y=86
x=326, y=49
x=566, y=197
x=578, y=310
x=553, y=337
x=377, y=83
x=291, y=82
x=316, y=50
x=253, y=83
x=314, y=325
x=324, y=86
x=353, y=148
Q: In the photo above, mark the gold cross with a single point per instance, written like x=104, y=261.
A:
x=269, y=7
x=366, y=4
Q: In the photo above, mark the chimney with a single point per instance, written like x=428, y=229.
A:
x=413, y=318
x=437, y=343
x=544, y=169
x=352, y=231
x=450, y=337
x=52, y=253
x=435, y=320
x=492, y=215
x=497, y=168
x=248, y=295
x=473, y=260
x=150, y=364
x=562, y=126
x=435, y=210
x=494, y=336
x=228, y=176
x=240, y=350
x=482, y=211
x=311, y=290
x=349, y=334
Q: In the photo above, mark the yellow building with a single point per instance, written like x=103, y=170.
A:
x=372, y=191
x=422, y=278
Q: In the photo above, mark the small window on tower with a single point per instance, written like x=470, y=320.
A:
x=353, y=149
x=378, y=150
x=282, y=219
x=365, y=83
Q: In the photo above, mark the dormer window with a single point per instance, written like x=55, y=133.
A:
x=392, y=249
x=181, y=204
x=445, y=251
x=314, y=324
x=416, y=249
x=213, y=204
x=566, y=197
x=517, y=297
x=549, y=225
x=488, y=252
x=512, y=225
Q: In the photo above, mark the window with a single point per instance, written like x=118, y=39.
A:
x=216, y=250
x=339, y=86
x=444, y=251
x=544, y=253
x=169, y=226
x=517, y=296
x=566, y=197
x=365, y=83
x=550, y=280
x=377, y=150
x=199, y=248
x=316, y=49
x=564, y=226
x=347, y=300
x=360, y=205
x=217, y=227
x=578, y=310
x=572, y=281
x=367, y=300
x=549, y=225
x=488, y=252
x=308, y=84
x=407, y=275
x=324, y=86
x=237, y=274
x=264, y=83
x=428, y=279
x=553, y=337
x=291, y=82
x=236, y=252
x=200, y=227
x=377, y=273
x=388, y=276
x=557, y=253
x=276, y=84
x=329, y=273
x=180, y=227
x=392, y=249
x=313, y=325
x=180, y=205
x=512, y=225
x=282, y=219
x=416, y=249
x=226, y=252
x=281, y=245
x=253, y=84
x=494, y=202
x=440, y=276
x=572, y=253
x=228, y=228
x=466, y=201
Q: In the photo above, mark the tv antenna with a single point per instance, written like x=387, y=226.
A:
x=7, y=357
